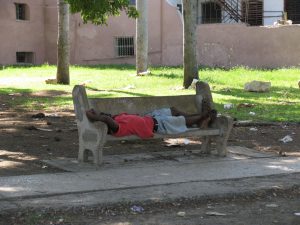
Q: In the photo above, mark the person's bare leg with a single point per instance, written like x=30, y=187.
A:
x=205, y=110
x=204, y=122
x=113, y=126
x=192, y=120
x=177, y=112
x=201, y=121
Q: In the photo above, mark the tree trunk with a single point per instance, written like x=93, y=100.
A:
x=142, y=37
x=190, y=64
x=63, y=45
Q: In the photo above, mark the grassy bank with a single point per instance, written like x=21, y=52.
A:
x=25, y=88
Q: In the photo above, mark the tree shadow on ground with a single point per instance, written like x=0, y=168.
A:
x=99, y=95
x=166, y=75
x=26, y=100
x=275, y=92
x=280, y=104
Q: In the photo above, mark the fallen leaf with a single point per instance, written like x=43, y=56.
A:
x=272, y=205
x=215, y=214
x=181, y=214
x=44, y=129
x=245, y=105
x=286, y=139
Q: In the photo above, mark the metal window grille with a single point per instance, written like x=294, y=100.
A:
x=211, y=12
x=218, y=11
x=252, y=12
x=292, y=7
x=25, y=57
x=124, y=46
x=20, y=11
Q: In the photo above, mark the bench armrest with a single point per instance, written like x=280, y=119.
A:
x=91, y=133
x=224, y=124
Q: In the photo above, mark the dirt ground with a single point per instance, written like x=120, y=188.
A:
x=273, y=207
x=25, y=140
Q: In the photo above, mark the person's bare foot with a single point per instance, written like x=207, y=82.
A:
x=208, y=119
x=205, y=121
x=205, y=106
x=213, y=116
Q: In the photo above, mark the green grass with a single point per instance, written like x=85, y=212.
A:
x=26, y=88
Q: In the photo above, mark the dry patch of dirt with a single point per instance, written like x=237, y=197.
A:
x=26, y=141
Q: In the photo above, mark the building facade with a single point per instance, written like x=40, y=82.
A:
x=230, y=33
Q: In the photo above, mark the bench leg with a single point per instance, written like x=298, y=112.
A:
x=206, y=145
x=82, y=154
x=92, y=139
x=225, y=125
x=98, y=153
x=221, y=145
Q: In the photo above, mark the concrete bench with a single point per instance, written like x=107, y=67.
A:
x=93, y=135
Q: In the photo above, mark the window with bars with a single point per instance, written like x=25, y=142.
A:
x=211, y=12
x=124, y=46
x=252, y=12
x=25, y=57
x=232, y=11
x=22, y=11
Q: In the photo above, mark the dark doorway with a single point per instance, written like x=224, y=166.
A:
x=292, y=7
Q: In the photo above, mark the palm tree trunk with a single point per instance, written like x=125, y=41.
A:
x=63, y=43
x=190, y=64
x=142, y=36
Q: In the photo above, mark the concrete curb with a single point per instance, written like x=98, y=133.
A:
x=243, y=172
x=201, y=191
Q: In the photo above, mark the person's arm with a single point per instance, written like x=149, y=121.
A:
x=113, y=126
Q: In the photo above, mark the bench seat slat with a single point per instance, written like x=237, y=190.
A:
x=190, y=133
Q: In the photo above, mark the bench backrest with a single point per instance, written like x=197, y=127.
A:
x=139, y=105
x=142, y=105
x=81, y=103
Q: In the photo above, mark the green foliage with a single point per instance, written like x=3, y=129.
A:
x=24, y=88
x=98, y=11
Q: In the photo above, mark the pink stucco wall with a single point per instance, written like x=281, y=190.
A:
x=218, y=44
x=92, y=44
x=50, y=20
x=95, y=44
x=21, y=36
x=233, y=45
x=172, y=34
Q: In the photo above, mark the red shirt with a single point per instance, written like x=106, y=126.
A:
x=129, y=124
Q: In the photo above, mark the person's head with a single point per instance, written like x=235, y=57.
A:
x=106, y=114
